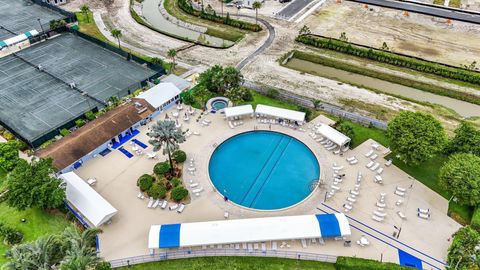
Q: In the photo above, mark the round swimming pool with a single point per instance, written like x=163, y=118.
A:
x=263, y=170
x=219, y=104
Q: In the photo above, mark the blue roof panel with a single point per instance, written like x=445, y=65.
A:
x=329, y=226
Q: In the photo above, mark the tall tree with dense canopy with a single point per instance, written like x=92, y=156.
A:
x=164, y=135
x=415, y=136
x=172, y=53
x=256, y=6
x=466, y=140
x=464, y=252
x=461, y=175
x=218, y=79
x=117, y=33
x=9, y=155
x=34, y=185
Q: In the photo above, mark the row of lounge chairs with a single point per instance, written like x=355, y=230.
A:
x=353, y=194
x=205, y=122
x=162, y=204
x=352, y=160
x=194, y=186
x=234, y=124
x=379, y=214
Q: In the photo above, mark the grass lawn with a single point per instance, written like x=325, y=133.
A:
x=262, y=99
x=455, y=3
x=363, y=133
x=234, y=263
x=3, y=174
x=38, y=222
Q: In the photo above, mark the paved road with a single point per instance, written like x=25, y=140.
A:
x=259, y=50
x=441, y=12
x=292, y=9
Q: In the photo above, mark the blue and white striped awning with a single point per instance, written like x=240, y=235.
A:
x=247, y=230
x=17, y=39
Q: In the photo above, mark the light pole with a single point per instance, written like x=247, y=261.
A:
x=399, y=230
x=41, y=26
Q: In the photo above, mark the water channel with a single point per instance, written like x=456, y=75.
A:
x=151, y=12
x=463, y=108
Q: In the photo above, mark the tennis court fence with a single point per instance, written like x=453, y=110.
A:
x=185, y=254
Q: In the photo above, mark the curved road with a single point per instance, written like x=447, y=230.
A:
x=259, y=50
x=442, y=12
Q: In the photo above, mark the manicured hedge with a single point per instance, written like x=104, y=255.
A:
x=161, y=168
x=476, y=219
x=391, y=58
x=179, y=193
x=352, y=263
x=145, y=182
x=186, y=6
x=179, y=156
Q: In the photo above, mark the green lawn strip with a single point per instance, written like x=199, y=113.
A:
x=262, y=99
x=234, y=263
x=89, y=27
x=363, y=70
x=455, y=3
x=427, y=173
x=214, y=29
x=3, y=174
x=439, y=2
x=38, y=223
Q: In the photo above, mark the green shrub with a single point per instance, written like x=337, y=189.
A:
x=8, y=135
x=46, y=144
x=247, y=96
x=64, y=132
x=346, y=129
x=157, y=191
x=188, y=98
x=179, y=156
x=353, y=263
x=79, y=122
x=10, y=235
x=179, y=193
x=103, y=266
x=145, y=182
x=161, y=168
x=90, y=116
x=476, y=219
x=272, y=93
x=175, y=182
x=307, y=111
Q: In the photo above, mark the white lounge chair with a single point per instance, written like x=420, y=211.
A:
x=401, y=215
x=173, y=207
x=198, y=190
x=378, y=219
x=237, y=246
x=337, y=168
x=378, y=179
x=230, y=124
x=401, y=189
x=181, y=208
x=399, y=193
x=353, y=162
x=350, y=199
x=375, y=167
x=226, y=214
x=274, y=245
x=369, y=153
x=155, y=204
x=423, y=211
x=356, y=193
x=150, y=202
x=194, y=185
x=380, y=214
x=388, y=163
x=424, y=216
x=255, y=246
x=351, y=158
x=164, y=204
x=380, y=170
x=380, y=204
x=264, y=247
x=347, y=207
x=373, y=157
x=375, y=146
x=335, y=187
x=399, y=202
x=139, y=195
x=370, y=164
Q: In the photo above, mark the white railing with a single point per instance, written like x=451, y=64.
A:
x=184, y=254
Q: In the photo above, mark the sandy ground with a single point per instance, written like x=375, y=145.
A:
x=417, y=35
x=127, y=235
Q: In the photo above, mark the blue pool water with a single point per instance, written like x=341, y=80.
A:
x=219, y=104
x=263, y=170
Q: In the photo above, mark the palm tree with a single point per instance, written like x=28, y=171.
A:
x=256, y=5
x=86, y=10
x=81, y=252
x=172, y=53
x=117, y=33
x=164, y=135
x=43, y=254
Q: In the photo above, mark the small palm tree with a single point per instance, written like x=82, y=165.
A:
x=81, y=253
x=164, y=135
x=172, y=53
x=86, y=10
x=256, y=5
x=117, y=33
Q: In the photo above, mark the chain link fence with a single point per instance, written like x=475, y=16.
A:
x=184, y=254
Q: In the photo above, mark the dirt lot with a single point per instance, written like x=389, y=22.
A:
x=418, y=35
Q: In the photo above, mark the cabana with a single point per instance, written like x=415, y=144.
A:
x=248, y=230
x=333, y=135
x=87, y=201
x=161, y=96
x=237, y=111
x=17, y=39
x=280, y=113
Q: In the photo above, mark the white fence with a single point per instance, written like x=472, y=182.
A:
x=184, y=254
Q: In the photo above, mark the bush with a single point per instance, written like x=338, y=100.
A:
x=179, y=156
x=8, y=135
x=161, y=168
x=346, y=129
x=247, y=96
x=64, y=132
x=157, y=191
x=175, y=182
x=476, y=219
x=103, y=266
x=353, y=263
x=79, y=122
x=10, y=235
x=90, y=116
x=188, y=98
x=272, y=93
x=179, y=193
x=307, y=111
x=145, y=182
x=46, y=144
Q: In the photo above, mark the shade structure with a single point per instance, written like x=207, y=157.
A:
x=17, y=39
x=160, y=94
x=87, y=201
x=333, y=135
x=247, y=230
x=238, y=111
x=280, y=113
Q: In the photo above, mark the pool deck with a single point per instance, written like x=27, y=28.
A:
x=127, y=235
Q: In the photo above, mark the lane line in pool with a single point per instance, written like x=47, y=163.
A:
x=261, y=170
x=270, y=173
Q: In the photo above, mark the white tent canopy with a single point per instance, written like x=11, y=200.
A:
x=247, y=230
x=280, y=113
x=333, y=135
x=238, y=111
x=86, y=200
x=160, y=94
